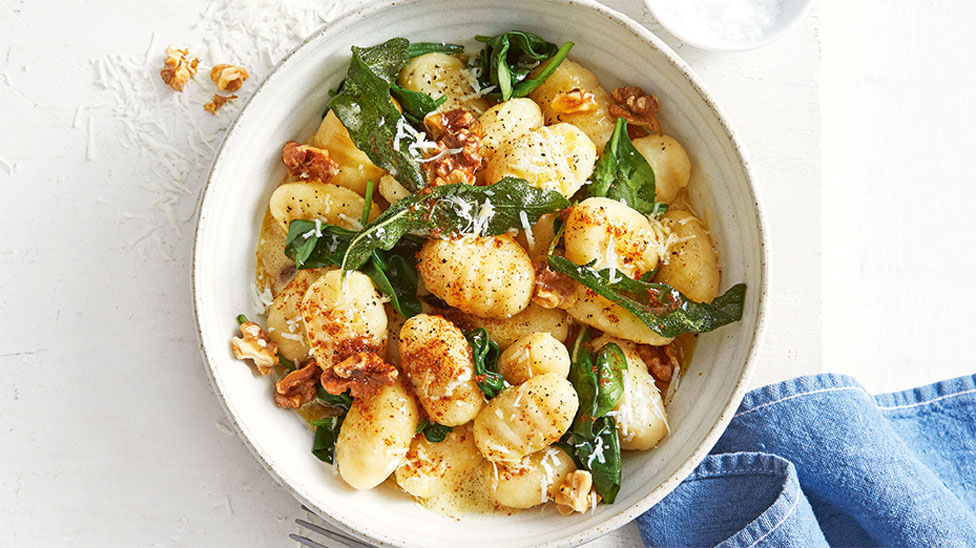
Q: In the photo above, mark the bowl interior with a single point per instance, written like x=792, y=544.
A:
x=289, y=106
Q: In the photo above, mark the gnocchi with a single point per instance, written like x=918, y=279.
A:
x=530, y=482
x=343, y=317
x=433, y=467
x=355, y=167
x=531, y=355
x=442, y=75
x=375, y=436
x=285, y=325
x=596, y=124
x=534, y=319
x=609, y=234
x=526, y=418
x=491, y=277
x=558, y=157
x=311, y=200
x=436, y=358
x=669, y=160
x=692, y=265
x=508, y=121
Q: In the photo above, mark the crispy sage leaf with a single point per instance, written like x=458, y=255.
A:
x=326, y=434
x=454, y=210
x=417, y=49
x=611, y=366
x=622, y=173
x=434, y=432
x=341, y=401
x=485, y=353
x=661, y=307
x=507, y=59
x=364, y=106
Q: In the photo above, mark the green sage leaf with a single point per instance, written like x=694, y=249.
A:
x=417, y=49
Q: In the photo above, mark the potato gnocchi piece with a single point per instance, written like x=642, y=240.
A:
x=531, y=355
x=437, y=359
x=595, y=311
x=311, y=200
x=391, y=190
x=640, y=415
x=537, y=238
x=611, y=234
x=273, y=269
x=285, y=325
x=432, y=468
x=526, y=418
x=692, y=266
x=343, y=318
x=534, y=319
x=597, y=124
x=558, y=157
x=443, y=75
x=530, y=482
x=491, y=276
x=508, y=121
x=375, y=436
x=668, y=159
x=355, y=167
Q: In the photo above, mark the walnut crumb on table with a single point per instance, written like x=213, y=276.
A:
x=218, y=101
x=177, y=70
x=229, y=77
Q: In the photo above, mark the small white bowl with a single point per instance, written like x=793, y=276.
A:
x=289, y=106
x=677, y=17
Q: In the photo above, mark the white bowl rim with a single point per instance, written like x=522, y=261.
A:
x=362, y=11
x=728, y=45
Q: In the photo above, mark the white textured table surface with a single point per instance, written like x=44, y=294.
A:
x=109, y=432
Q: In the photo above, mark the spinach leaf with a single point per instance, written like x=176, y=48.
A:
x=368, y=203
x=342, y=401
x=611, y=366
x=661, y=307
x=326, y=434
x=454, y=210
x=600, y=454
x=485, y=353
x=582, y=374
x=415, y=104
x=393, y=272
x=622, y=173
x=434, y=432
x=417, y=49
x=365, y=107
x=242, y=319
x=507, y=59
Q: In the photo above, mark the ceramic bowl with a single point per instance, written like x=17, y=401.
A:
x=289, y=105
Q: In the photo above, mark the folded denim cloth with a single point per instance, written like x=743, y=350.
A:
x=818, y=461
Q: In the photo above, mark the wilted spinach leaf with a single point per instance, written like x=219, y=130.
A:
x=485, y=353
x=611, y=366
x=622, y=173
x=600, y=454
x=434, y=432
x=326, y=434
x=416, y=104
x=507, y=59
x=341, y=401
x=417, y=49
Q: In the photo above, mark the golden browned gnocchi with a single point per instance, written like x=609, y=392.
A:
x=375, y=436
x=491, y=277
x=531, y=355
x=421, y=292
x=526, y=418
x=437, y=359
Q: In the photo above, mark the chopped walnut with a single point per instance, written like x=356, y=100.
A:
x=309, y=162
x=363, y=374
x=458, y=153
x=229, y=77
x=575, y=494
x=256, y=346
x=636, y=107
x=177, y=70
x=574, y=101
x=661, y=360
x=298, y=387
x=217, y=101
x=552, y=289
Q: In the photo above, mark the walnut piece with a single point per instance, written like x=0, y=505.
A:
x=256, y=346
x=217, y=101
x=363, y=374
x=458, y=153
x=177, y=70
x=636, y=107
x=574, y=101
x=661, y=360
x=298, y=387
x=552, y=289
x=575, y=494
x=309, y=162
x=229, y=77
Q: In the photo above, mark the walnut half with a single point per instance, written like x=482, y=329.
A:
x=256, y=346
x=575, y=494
x=229, y=77
x=458, y=153
x=661, y=361
x=552, y=289
x=636, y=107
x=309, y=162
x=298, y=387
x=177, y=70
x=363, y=374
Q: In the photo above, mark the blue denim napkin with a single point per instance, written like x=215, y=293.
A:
x=817, y=461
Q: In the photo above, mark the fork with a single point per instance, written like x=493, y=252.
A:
x=327, y=531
